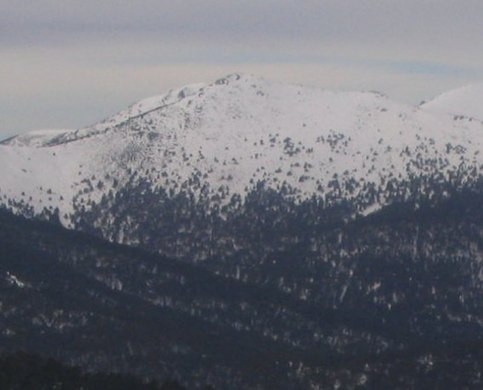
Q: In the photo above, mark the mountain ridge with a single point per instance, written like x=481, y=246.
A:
x=469, y=91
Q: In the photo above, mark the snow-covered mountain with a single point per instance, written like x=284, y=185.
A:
x=241, y=130
x=286, y=237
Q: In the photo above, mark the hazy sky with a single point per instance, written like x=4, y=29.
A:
x=66, y=64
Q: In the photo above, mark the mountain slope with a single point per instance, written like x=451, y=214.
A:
x=109, y=308
x=465, y=101
x=390, y=300
x=31, y=372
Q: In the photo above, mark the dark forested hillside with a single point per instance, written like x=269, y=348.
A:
x=30, y=372
x=276, y=294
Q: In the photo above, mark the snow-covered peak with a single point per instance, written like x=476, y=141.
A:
x=465, y=101
x=237, y=131
x=240, y=78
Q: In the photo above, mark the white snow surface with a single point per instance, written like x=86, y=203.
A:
x=14, y=280
x=466, y=101
x=36, y=138
x=234, y=132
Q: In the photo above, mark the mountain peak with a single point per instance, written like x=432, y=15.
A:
x=234, y=77
x=228, y=79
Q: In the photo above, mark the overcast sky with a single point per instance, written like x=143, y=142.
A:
x=67, y=64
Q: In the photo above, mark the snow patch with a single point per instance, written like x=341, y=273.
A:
x=14, y=280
